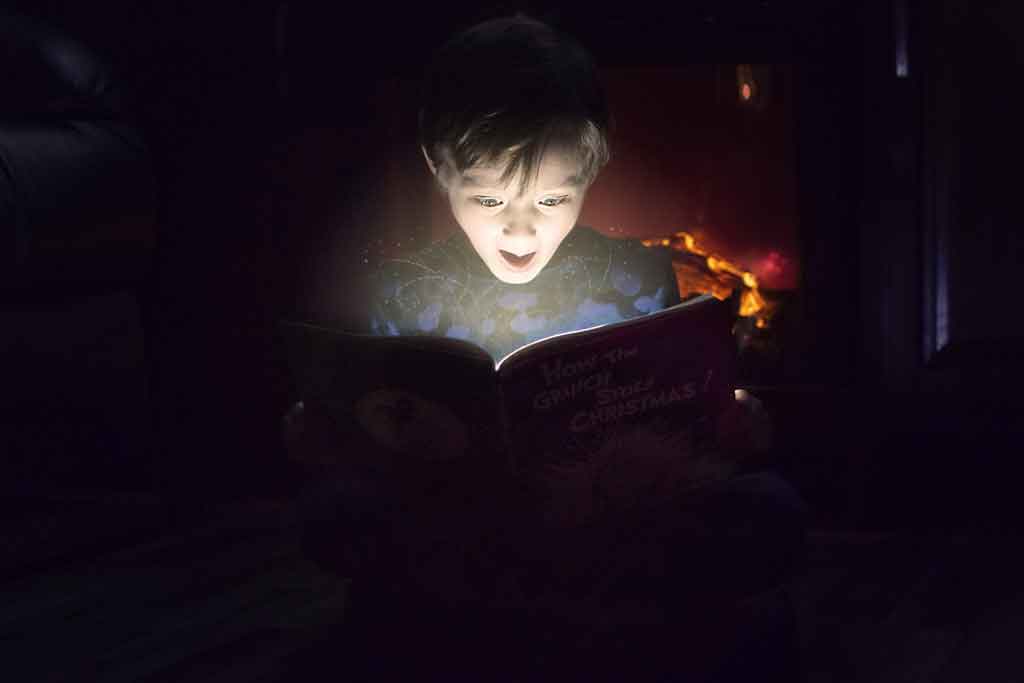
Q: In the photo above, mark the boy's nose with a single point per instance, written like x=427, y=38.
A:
x=519, y=227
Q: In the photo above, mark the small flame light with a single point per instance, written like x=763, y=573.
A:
x=746, y=84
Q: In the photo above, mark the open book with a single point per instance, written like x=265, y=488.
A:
x=592, y=419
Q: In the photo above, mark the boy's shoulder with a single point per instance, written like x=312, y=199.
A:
x=589, y=243
x=586, y=241
x=410, y=292
x=439, y=263
x=623, y=264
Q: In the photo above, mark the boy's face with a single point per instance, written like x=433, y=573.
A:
x=516, y=234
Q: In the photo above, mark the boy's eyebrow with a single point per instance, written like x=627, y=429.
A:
x=472, y=180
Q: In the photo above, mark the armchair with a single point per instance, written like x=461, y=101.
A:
x=77, y=229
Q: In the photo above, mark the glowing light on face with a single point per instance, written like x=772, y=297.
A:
x=746, y=92
x=516, y=234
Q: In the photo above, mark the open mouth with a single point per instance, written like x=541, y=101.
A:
x=517, y=262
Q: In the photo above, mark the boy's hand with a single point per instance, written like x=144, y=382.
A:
x=745, y=428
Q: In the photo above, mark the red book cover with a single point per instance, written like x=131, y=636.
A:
x=621, y=415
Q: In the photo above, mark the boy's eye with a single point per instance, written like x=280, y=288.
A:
x=553, y=201
x=488, y=202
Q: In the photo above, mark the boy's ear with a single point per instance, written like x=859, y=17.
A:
x=430, y=163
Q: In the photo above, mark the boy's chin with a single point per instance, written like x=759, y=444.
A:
x=512, y=277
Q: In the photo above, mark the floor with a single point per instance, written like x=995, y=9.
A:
x=130, y=588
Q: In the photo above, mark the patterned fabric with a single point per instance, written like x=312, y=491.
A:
x=447, y=290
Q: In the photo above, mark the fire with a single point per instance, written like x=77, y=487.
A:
x=700, y=272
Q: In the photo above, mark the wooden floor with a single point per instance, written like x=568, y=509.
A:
x=132, y=589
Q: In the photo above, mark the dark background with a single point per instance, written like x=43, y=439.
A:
x=263, y=120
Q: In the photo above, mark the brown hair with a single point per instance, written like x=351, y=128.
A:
x=506, y=90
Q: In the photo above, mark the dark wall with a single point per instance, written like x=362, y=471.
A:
x=986, y=45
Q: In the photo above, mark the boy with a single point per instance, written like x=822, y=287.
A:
x=514, y=128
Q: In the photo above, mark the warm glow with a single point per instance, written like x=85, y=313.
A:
x=724, y=277
x=750, y=303
x=745, y=81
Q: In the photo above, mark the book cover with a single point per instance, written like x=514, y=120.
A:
x=623, y=415
x=591, y=420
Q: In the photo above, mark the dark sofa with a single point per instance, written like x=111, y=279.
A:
x=77, y=230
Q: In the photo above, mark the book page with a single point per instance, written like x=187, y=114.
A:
x=622, y=415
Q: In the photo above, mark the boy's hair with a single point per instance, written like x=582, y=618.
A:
x=504, y=91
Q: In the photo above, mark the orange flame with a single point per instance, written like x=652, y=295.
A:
x=720, y=279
